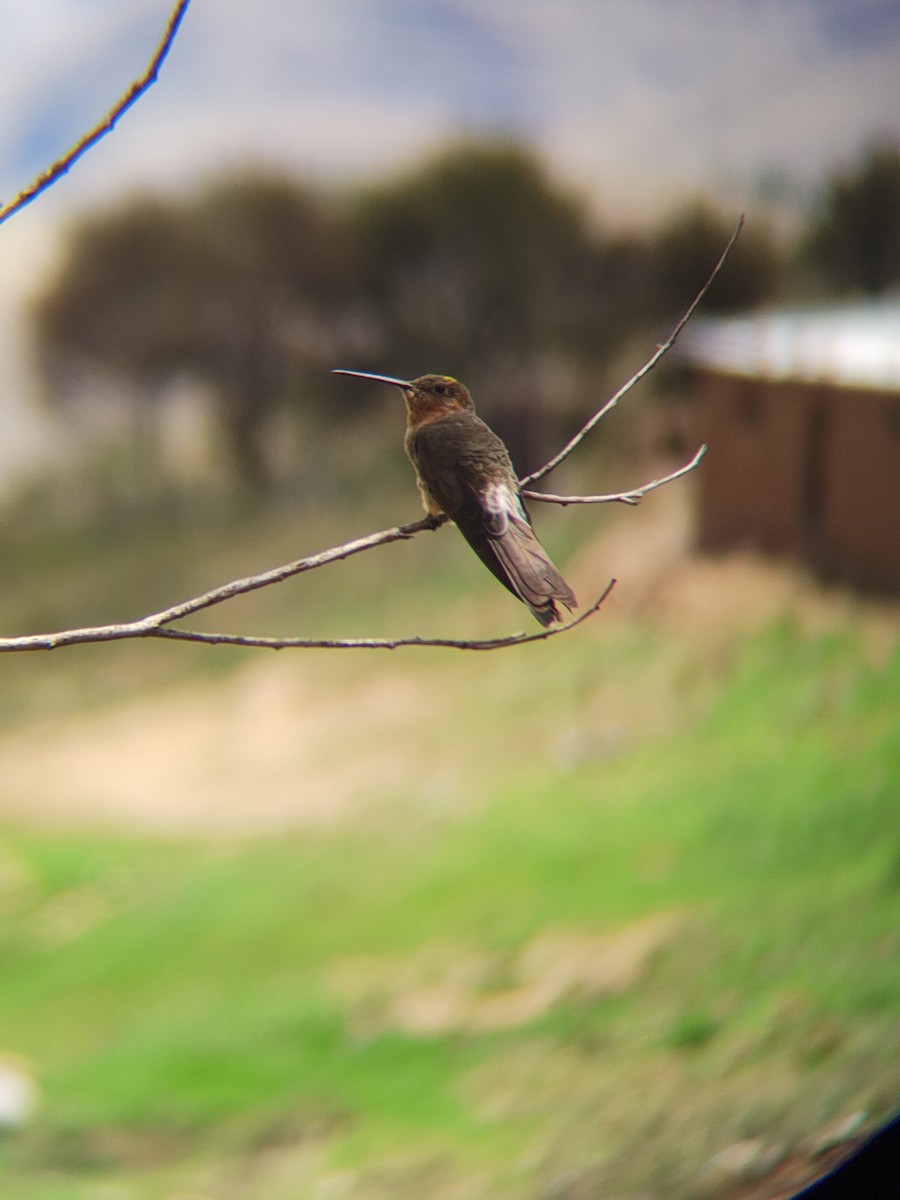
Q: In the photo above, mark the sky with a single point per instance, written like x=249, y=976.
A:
x=637, y=103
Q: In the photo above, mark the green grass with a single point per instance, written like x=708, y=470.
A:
x=184, y=1024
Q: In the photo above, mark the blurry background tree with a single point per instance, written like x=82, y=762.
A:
x=480, y=266
x=854, y=241
x=476, y=264
x=242, y=288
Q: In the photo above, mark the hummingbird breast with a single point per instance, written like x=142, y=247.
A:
x=455, y=457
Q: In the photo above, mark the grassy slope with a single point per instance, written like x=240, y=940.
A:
x=178, y=1001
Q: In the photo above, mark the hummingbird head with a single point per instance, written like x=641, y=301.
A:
x=429, y=397
x=433, y=395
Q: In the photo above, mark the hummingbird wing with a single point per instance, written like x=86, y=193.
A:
x=472, y=479
x=513, y=551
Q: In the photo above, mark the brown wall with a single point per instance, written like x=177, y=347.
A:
x=752, y=476
x=861, y=533
x=806, y=469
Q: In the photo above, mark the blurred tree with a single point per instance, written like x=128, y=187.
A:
x=854, y=241
x=477, y=265
x=243, y=287
x=685, y=250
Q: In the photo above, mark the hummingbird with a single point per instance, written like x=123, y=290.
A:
x=464, y=472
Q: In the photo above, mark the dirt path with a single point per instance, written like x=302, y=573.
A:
x=264, y=750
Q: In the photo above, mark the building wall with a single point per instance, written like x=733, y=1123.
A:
x=807, y=469
x=861, y=535
x=751, y=481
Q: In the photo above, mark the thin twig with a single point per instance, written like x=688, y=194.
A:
x=660, y=351
x=633, y=497
x=47, y=178
x=273, y=643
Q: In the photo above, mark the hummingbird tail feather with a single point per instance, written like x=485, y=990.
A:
x=530, y=573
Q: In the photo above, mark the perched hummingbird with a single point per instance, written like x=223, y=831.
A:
x=464, y=472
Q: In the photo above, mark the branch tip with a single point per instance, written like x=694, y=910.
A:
x=642, y=372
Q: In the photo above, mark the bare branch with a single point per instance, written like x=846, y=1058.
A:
x=239, y=587
x=633, y=497
x=642, y=373
x=150, y=626
x=47, y=178
x=158, y=625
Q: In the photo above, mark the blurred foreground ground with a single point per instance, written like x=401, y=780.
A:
x=610, y=916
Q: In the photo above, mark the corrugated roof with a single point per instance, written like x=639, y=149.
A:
x=856, y=346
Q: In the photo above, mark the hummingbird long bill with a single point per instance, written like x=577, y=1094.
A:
x=464, y=472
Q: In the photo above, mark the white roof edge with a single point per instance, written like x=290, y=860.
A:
x=848, y=345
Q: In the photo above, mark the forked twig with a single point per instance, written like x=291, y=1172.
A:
x=151, y=625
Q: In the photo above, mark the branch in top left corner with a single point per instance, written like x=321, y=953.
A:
x=62, y=165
